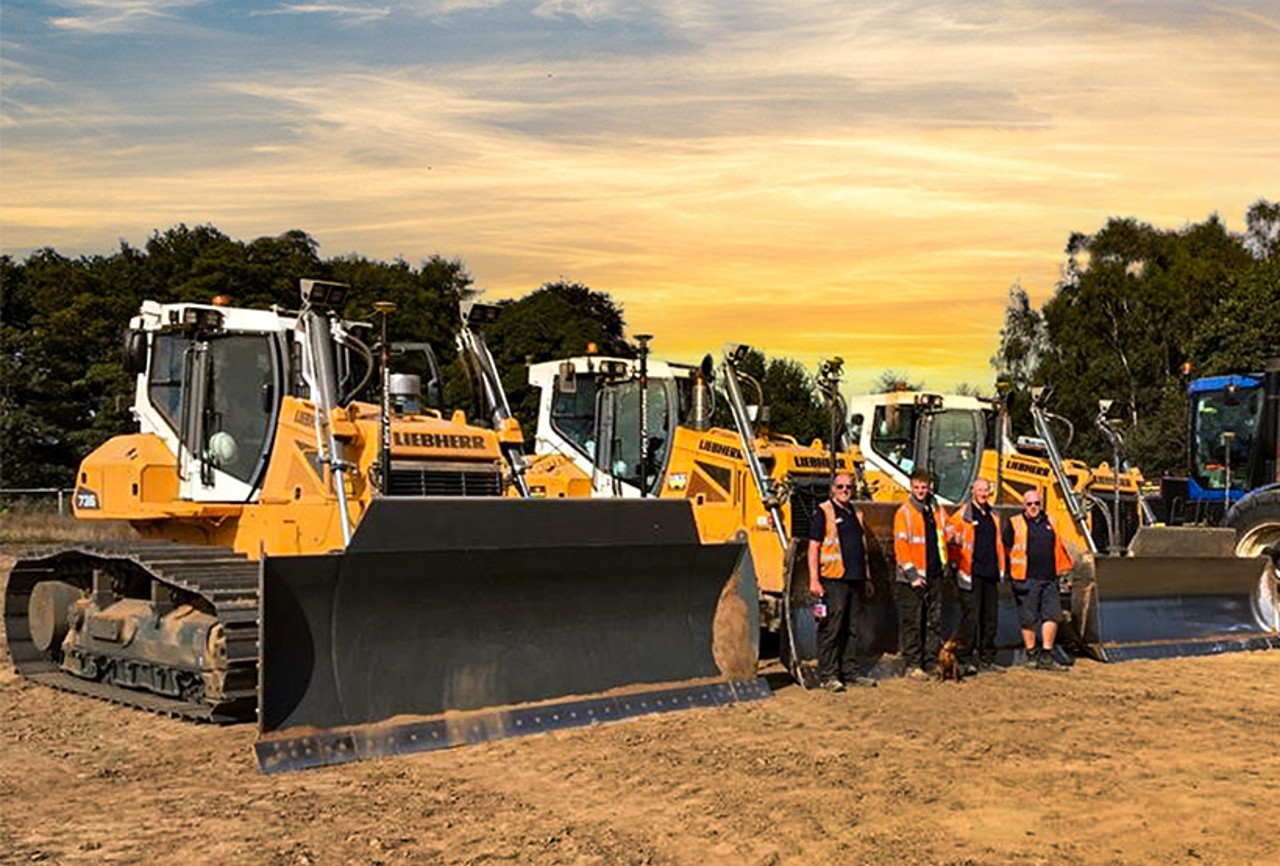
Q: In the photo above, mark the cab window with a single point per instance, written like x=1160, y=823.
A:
x=893, y=435
x=624, y=449
x=1225, y=429
x=241, y=403
x=164, y=379
x=573, y=413
x=955, y=437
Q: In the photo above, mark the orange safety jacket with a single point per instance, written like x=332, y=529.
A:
x=909, y=541
x=1018, y=552
x=960, y=532
x=830, y=559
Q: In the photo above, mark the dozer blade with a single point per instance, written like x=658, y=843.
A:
x=1180, y=594
x=454, y=621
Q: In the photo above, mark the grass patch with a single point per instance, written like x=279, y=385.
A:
x=19, y=529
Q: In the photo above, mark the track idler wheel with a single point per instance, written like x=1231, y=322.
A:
x=49, y=614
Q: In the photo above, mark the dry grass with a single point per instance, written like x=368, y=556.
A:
x=22, y=528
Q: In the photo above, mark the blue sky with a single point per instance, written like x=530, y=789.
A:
x=812, y=177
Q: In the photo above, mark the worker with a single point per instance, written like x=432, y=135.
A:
x=976, y=552
x=839, y=578
x=919, y=546
x=1037, y=556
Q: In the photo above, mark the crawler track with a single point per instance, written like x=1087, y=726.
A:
x=224, y=582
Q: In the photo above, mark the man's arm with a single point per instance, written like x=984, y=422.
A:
x=815, y=585
x=817, y=529
x=902, y=548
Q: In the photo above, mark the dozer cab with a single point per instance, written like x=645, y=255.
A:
x=351, y=570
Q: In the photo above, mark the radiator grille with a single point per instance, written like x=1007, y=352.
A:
x=445, y=480
x=806, y=495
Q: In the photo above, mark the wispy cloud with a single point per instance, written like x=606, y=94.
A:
x=812, y=177
x=350, y=12
x=115, y=16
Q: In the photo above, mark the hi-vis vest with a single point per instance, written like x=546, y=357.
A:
x=909, y=540
x=960, y=532
x=1018, y=552
x=830, y=559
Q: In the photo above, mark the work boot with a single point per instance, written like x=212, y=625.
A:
x=1047, y=662
x=831, y=685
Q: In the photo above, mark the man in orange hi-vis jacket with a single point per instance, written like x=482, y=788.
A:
x=1036, y=557
x=977, y=561
x=920, y=548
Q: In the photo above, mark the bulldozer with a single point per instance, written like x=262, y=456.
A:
x=350, y=572
x=1139, y=589
x=961, y=438
x=627, y=428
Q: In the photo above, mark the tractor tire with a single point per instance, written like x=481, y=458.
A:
x=1256, y=520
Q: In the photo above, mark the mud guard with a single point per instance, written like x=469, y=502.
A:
x=451, y=621
x=1181, y=593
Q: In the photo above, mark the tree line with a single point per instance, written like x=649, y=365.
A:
x=1133, y=306
x=64, y=391
x=1137, y=311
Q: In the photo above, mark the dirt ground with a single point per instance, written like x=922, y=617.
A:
x=1146, y=762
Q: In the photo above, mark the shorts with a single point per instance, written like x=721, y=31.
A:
x=1037, y=601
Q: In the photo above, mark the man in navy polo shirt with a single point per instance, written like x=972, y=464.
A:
x=838, y=577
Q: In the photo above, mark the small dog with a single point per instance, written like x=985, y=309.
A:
x=948, y=663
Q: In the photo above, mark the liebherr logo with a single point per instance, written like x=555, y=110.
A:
x=438, y=440
x=817, y=462
x=717, y=448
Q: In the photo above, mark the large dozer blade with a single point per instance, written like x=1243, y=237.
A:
x=452, y=621
x=1181, y=592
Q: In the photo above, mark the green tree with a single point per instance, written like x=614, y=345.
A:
x=791, y=394
x=1135, y=303
x=557, y=320
x=894, y=380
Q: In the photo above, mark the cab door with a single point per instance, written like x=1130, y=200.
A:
x=949, y=445
x=230, y=399
x=618, y=452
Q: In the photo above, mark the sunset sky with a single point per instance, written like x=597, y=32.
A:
x=810, y=177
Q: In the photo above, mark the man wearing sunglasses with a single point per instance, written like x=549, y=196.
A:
x=839, y=579
x=1036, y=556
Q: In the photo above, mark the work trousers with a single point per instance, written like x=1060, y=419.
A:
x=919, y=621
x=838, y=630
x=979, y=609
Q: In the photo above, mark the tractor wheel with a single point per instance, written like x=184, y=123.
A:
x=1256, y=520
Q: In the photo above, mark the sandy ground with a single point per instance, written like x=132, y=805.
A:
x=1146, y=762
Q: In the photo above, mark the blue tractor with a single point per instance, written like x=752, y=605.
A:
x=1233, y=472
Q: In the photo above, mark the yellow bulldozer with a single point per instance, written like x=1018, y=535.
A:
x=351, y=571
x=630, y=428
x=1139, y=589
